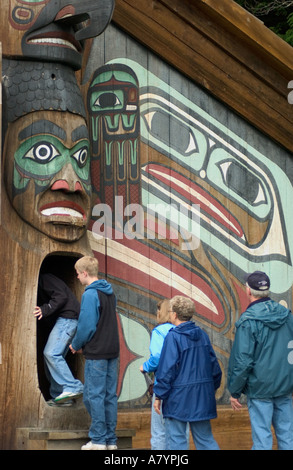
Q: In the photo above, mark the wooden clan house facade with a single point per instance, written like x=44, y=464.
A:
x=157, y=136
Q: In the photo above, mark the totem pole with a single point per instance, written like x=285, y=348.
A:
x=46, y=195
x=114, y=124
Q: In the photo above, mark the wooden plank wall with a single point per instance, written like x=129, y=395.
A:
x=231, y=429
x=223, y=48
x=232, y=64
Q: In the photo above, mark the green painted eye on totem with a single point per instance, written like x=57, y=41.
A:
x=113, y=97
x=107, y=100
x=41, y=158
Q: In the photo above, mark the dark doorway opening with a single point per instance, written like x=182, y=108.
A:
x=61, y=266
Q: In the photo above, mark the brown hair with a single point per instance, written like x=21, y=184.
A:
x=163, y=314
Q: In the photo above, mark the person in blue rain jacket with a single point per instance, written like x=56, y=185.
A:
x=186, y=380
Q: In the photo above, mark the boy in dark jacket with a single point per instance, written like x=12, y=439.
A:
x=97, y=336
x=57, y=300
x=187, y=378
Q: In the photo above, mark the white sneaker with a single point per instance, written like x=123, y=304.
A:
x=91, y=446
x=66, y=396
x=112, y=447
x=60, y=405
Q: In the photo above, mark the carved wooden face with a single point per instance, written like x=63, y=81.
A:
x=47, y=171
x=51, y=30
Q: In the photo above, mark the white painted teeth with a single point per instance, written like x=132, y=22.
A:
x=57, y=41
x=61, y=211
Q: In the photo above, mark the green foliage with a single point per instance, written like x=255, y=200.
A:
x=275, y=14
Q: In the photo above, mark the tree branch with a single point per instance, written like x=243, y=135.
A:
x=266, y=9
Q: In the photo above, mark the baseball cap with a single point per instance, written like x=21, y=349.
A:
x=258, y=281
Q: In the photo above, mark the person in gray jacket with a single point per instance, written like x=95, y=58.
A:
x=261, y=365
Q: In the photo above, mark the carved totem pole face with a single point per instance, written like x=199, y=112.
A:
x=51, y=30
x=46, y=149
x=47, y=168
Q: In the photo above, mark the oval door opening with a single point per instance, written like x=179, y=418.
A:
x=63, y=268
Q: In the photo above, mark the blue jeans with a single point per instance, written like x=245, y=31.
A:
x=100, y=399
x=59, y=374
x=201, y=432
x=263, y=414
x=158, y=435
x=158, y=432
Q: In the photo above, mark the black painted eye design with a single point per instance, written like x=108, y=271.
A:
x=81, y=156
x=107, y=100
x=42, y=152
x=171, y=131
x=243, y=182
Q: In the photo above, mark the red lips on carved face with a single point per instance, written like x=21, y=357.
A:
x=63, y=208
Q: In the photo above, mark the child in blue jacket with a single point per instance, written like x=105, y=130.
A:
x=158, y=438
